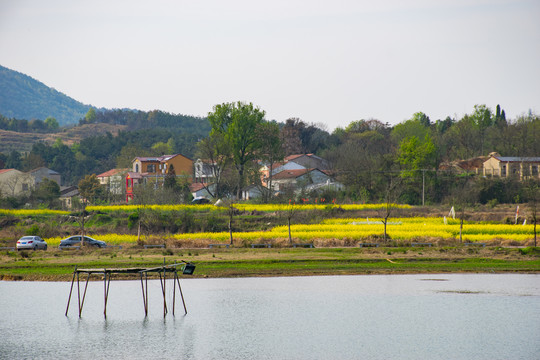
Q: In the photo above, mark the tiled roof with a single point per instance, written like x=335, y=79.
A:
x=197, y=186
x=295, y=156
x=112, y=172
x=135, y=175
x=517, y=159
x=162, y=158
x=51, y=172
x=290, y=174
x=5, y=170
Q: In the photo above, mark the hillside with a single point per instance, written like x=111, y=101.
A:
x=22, y=142
x=23, y=97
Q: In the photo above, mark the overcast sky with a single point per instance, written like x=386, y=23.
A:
x=329, y=62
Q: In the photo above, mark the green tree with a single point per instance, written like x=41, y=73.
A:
x=483, y=118
x=90, y=116
x=14, y=160
x=415, y=159
x=51, y=123
x=90, y=189
x=414, y=155
x=236, y=124
x=170, y=179
x=500, y=117
x=125, y=159
x=47, y=192
x=161, y=148
x=362, y=157
x=417, y=126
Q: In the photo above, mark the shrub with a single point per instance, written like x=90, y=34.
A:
x=33, y=230
x=133, y=220
x=531, y=250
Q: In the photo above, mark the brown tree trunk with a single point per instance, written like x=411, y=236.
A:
x=289, y=224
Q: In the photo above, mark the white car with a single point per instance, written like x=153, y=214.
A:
x=31, y=243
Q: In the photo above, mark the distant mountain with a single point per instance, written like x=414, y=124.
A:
x=23, y=97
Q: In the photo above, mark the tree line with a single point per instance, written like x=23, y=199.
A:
x=366, y=155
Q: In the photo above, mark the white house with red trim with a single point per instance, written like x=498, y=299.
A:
x=113, y=180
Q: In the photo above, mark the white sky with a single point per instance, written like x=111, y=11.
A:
x=329, y=62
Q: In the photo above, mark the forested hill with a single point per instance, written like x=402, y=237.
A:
x=23, y=97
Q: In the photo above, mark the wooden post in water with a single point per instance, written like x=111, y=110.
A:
x=84, y=294
x=161, y=280
x=106, y=291
x=71, y=290
x=181, y=294
x=164, y=292
x=145, y=299
x=174, y=289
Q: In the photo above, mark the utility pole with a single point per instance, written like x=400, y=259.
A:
x=423, y=185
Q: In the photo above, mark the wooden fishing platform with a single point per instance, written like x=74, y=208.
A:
x=186, y=268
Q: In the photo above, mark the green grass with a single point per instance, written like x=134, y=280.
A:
x=237, y=262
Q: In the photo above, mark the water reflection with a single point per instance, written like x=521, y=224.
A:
x=346, y=317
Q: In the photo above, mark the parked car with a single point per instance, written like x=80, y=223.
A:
x=76, y=241
x=200, y=200
x=31, y=243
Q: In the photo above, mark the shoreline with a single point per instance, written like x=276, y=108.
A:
x=56, y=265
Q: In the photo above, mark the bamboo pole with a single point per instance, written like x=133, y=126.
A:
x=106, y=291
x=181, y=294
x=84, y=294
x=70, y=290
x=145, y=304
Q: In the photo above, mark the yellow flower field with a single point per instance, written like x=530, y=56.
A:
x=32, y=212
x=402, y=229
x=128, y=208
x=242, y=207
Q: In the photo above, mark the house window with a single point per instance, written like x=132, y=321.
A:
x=503, y=170
x=136, y=168
x=151, y=168
x=535, y=170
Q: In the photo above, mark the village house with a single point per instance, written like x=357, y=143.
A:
x=294, y=162
x=308, y=161
x=203, y=171
x=15, y=183
x=43, y=173
x=198, y=190
x=303, y=179
x=522, y=168
x=154, y=169
x=113, y=180
x=68, y=194
x=159, y=165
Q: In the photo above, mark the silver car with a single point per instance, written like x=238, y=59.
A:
x=31, y=243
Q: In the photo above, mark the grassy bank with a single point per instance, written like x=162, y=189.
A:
x=56, y=265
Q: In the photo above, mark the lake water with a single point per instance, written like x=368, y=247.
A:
x=457, y=316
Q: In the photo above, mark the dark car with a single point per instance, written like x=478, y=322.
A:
x=200, y=200
x=76, y=241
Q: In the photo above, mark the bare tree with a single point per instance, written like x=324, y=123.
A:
x=270, y=152
x=215, y=157
x=533, y=190
x=391, y=196
x=463, y=199
x=290, y=212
